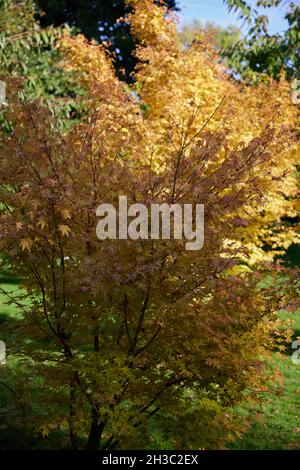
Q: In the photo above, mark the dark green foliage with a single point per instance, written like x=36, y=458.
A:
x=261, y=53
x=30, y=52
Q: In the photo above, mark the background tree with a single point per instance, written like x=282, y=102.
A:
x=168, y=73
x=98, y=19
x=222, y=38
x=261, y=53
x=30, y=52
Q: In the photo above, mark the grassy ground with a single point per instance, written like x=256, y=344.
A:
x=275, y=425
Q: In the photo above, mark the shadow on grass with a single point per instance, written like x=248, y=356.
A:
x=7, y=278
x=4, y=317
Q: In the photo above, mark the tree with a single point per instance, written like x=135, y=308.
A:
x=134, y=334
x=261, y=53
x=221, y=38
x=98, y=20
x=29, y=51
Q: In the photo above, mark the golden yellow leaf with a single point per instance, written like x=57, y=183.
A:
x=64, y=230
x=65, y=213
x=26, y=244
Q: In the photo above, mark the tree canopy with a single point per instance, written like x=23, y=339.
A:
x=29, y=51
x=261, y=53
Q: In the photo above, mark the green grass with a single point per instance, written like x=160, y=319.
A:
x=276, y=424
x=8, y=312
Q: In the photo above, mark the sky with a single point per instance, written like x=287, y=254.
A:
x=216, y=11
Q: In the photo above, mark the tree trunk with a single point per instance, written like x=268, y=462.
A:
x=72, y=415
x=95, y=432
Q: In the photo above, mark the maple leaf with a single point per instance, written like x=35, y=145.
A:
x=42, y=223
x=64, y=230
x=26, y=244
x=65, y=213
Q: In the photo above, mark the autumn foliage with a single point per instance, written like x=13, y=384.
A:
x=129, y=336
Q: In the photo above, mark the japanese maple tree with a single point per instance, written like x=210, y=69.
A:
x=134, y=335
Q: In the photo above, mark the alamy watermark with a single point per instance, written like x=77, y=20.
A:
x=296, y=92
x=3, y=93
x=2, y=353
x=159, y=221
x=295, y=358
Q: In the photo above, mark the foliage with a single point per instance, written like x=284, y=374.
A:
x=128, y=335
x=261, y=53
x=30, y=52
x=221, y=38
x=98, y=20
x=188, y=86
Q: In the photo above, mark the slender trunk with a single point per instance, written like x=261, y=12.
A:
x=96, y=343
x=72, y=415
x=95, y=432
x=96, y=429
